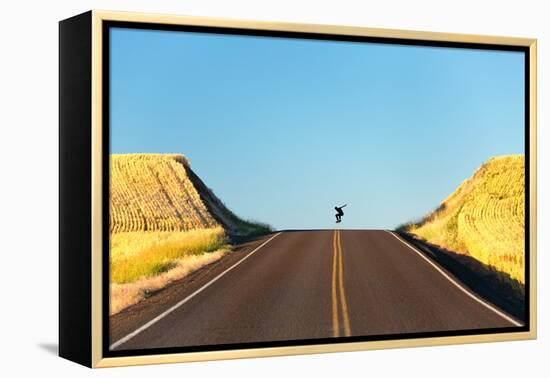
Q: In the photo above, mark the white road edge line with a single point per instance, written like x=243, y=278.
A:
x=186, y=299
x=489, y=306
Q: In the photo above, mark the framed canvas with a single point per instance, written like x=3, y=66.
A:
x=235, y=189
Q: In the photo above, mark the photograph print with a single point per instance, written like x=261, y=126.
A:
x=277, y=189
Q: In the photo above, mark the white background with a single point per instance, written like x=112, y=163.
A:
x=29, y=189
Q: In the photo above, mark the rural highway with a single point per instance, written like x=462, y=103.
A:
x=298, y=285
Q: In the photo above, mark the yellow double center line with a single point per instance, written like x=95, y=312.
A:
x=338, y=289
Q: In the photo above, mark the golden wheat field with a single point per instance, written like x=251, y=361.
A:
x=152, y=192
x=484, y=217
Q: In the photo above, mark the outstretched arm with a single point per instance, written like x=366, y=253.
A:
x=343, y=206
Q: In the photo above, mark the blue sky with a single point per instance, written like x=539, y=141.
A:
x=283, y=130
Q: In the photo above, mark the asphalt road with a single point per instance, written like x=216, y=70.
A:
x=300, y=285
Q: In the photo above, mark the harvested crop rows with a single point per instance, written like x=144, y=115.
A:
x=153, y=193
x=484, y=217
x=492, y=222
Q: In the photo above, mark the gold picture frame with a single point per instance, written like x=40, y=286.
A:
x=91, y=27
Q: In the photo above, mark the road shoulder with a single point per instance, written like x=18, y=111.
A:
x=475, y=276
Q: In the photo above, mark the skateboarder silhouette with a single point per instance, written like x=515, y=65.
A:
x=339, y=213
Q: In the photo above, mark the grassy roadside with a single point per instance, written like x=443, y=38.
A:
x=252, y=228
x=144, y=262
x=138, y=254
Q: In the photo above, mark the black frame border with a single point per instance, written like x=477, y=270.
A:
x=75, y=197
x=107, y=25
